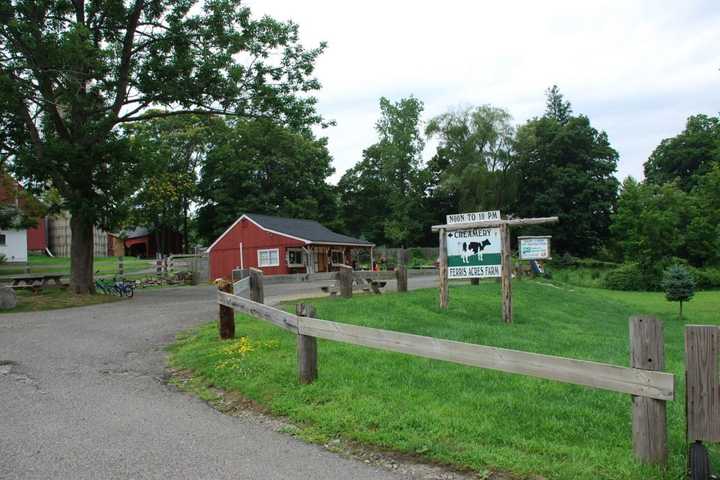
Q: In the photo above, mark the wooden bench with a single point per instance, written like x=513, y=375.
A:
x=37, y=281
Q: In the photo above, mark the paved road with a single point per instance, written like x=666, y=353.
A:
x=82, y=397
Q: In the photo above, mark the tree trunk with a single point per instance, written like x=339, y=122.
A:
x=185, y=228
x=81, y=255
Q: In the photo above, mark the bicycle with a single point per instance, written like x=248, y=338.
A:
x=105, y=287
x=124, y=288
x=120, y=288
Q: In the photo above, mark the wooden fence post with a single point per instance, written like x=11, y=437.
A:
x=506, y=273
x=345, y=279
x=226, y=318
x=402, y=278
x=121, y=266
x=649, y=420
x=257, y=291
x=306, y=348
x=443, y=270
x=702, y=385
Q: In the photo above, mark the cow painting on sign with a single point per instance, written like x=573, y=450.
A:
x=474, y=247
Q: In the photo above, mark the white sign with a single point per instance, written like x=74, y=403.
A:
x=474, y=253
x=534, y=248
x=472, y=217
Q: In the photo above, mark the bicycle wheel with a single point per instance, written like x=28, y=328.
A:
x=130, y=291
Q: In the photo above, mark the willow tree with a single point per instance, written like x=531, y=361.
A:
x=73, y=71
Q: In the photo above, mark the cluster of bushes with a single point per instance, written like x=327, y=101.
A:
x=417, y=259
x=631, y=276
x=626, y=276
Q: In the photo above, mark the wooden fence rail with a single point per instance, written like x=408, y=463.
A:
x=633, y=381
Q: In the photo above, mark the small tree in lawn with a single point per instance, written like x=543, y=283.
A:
x=679, y=285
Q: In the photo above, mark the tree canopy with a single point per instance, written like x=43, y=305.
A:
x=687, y=156
x=172, y=150
x=71, y=72
x=383, y=194
x=260, y=167
x=473, y=165
x=566, y=167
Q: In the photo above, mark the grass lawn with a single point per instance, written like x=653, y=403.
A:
x=45, y=264
x=53, y=298
x=592, y=277
x=454, y=414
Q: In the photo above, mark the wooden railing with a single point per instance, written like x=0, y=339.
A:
x=643, y=380
x=633, y=381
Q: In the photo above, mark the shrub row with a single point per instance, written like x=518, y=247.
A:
x=630, y=276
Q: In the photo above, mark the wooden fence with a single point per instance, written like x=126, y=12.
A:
x=650, y=387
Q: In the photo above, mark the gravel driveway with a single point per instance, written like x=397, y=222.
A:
x=82, y=396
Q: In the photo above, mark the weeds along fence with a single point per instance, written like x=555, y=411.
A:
x=644, y=379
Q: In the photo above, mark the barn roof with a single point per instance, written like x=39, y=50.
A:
x=308, y=231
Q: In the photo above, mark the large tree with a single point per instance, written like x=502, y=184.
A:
x=566, y=167
x=257, y=166
x=383, y=195
x=72, y=71
x=687, y=156
x=473, y=166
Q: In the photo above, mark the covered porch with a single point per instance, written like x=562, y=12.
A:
x=319, y=258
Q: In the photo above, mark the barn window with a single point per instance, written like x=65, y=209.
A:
x=337, y=257
x=269, y=258
x=294, y=257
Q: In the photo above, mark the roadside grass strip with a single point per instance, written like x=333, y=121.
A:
x=453, y=414
x=55, y=298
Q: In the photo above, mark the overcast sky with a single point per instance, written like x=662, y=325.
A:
x=638, y=69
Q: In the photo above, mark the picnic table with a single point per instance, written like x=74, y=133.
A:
x=36, y=281
x=366, y=284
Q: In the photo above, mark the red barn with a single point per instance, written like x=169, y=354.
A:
x=279, y=245
x=37, y=238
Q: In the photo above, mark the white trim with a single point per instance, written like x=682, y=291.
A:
x=223, y=234
x=277, y=233
x=307, y=242
x=366, y=245
x=276, y=250
x=242, y=260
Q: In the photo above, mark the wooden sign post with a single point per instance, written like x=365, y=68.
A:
x=443, y=270
x=480, y=221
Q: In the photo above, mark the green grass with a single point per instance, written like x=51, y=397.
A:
x=454, y=414
x=592, y=277
x=54, y=298
x=44, y=264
